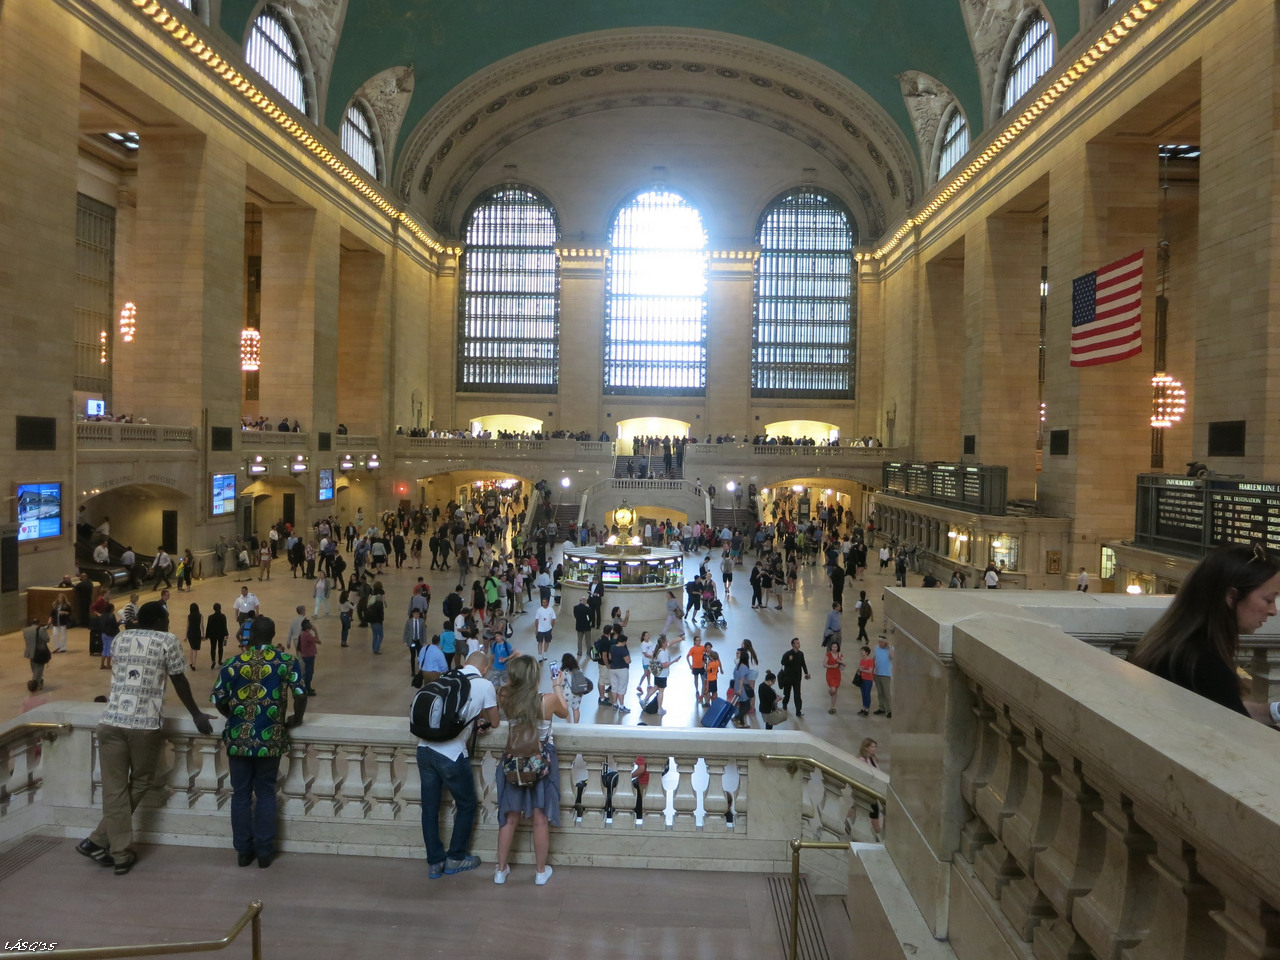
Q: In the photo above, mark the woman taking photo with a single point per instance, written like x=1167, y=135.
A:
x=1231, y=592
x=521, y=703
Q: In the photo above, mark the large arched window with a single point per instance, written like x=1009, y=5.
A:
x=273, y=51
x=509, y=315
x=802, y=343
x=655, y=318
x=359, y=140
x=955, y=140
x=1032, y=57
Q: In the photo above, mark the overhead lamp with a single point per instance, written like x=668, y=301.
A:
x=731, y=486
x=564, y=482
x=128, y=321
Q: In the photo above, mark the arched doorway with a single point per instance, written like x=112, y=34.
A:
x=497, y=424
x=652, y=427
x=818, y=431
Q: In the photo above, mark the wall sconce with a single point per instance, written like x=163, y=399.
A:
x=257, y=466
x=346, y=464
x=299, y=464
x=373, y=462
x=250, y=349
x=128, y=321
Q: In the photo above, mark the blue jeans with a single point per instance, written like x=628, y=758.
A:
x=308, y=671
x=438, y=771
x=253, y=804
x=346, y=626
x=377, y=636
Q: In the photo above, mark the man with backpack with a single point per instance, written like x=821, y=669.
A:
x=441, y=718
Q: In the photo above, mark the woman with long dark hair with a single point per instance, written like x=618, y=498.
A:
x=1232, y=591
x=521, y=702
x=195, y=632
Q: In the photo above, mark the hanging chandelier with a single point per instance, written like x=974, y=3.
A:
x=1168, y=401
x=250, y=349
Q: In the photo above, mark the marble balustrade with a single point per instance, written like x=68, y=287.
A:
x=1049, y=800
x=350, y=784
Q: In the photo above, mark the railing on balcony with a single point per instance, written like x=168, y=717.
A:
x=555, y=449
x=355, y=441
x=711, y=803
x=273, y=440
x=1073, y=805
x=92, y=435
x=719, y=452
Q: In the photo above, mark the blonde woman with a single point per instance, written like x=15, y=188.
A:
x=520, y=701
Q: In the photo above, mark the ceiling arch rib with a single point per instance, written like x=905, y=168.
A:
x=703, y=71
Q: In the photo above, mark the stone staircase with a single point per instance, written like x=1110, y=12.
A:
x=652, y=467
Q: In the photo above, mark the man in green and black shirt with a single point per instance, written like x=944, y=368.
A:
x=252, y=693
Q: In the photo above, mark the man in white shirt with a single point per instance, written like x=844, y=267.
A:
x=295, y=627
x=130, y=741
x=245, y=604
x=1082, y=581
x=544, y=617
x=101, y=554
x=447, y=764
x=160, y=568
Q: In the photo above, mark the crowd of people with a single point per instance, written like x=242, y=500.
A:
x=285, y=425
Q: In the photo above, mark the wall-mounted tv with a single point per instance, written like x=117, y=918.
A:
x=326, y=485
x=39, y=510
x=95, y=408
x=224, y=494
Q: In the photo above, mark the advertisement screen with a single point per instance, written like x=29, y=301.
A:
x=224, y=494
x=326, y=484
x=96, y=408
x=39, y=510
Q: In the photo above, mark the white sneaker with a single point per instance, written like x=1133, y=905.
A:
x=542, y=876
x=500, y=875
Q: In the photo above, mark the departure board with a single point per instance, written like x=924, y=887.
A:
x=969, y=486
x=1191, y=515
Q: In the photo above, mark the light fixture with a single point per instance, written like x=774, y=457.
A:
x=299, y=464
x=250, y=349
x=564, y=481
x=1133, y=589
x=102, y=346
x=373, y=463
x=951, y=534
x=797, y=488
x=258, y=466
x=731, y=486
x=963, y=538
x=128, y=321
x=346, y=463
x=1168, y=401
x=997, y=544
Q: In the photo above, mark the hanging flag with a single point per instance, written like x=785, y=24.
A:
x=1106, y=313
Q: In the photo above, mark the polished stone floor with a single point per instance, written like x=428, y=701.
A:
x=320, y=906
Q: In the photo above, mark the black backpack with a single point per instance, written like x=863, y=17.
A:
x=436, y=713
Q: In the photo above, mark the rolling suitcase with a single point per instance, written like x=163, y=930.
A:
x=719, y=713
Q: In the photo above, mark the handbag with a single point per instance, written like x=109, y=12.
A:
x=777, y=716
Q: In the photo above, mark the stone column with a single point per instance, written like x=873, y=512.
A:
x=582, y=343
x=362, y=342
x=1002, y=332
x=188, y=279
x=939, y=376
x=300, y=271
x=1103, y=205
x=1237, y=362
x=730, y=296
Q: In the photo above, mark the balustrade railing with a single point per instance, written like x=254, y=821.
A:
x=273, y=440
x=719, y=452
x=352, y=783
x=355, y=441
x=1092, y=808
x=94, y=434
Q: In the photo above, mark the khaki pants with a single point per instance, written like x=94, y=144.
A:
x=128, y=761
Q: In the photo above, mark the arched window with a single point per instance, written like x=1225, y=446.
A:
x=274, y=53
x=802, y=343
x=509, y=315
x=655, y=317
x=955, y=140
x=1032, y=57
x=358, y=139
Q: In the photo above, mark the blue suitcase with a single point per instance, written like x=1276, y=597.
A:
x=719, y=713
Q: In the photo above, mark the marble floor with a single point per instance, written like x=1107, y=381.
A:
x=320, y=906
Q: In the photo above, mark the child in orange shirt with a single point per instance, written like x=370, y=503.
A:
x=713, y=673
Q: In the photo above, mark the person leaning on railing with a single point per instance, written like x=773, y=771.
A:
x=1232, y=591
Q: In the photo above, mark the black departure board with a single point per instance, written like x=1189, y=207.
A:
x=1191, y=515
x=972, y=487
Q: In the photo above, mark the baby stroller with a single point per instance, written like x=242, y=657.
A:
x=713, y=613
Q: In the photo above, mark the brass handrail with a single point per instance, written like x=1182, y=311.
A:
x=794, y=763
x=48, y=728
x=796, y=846
x=252, y=916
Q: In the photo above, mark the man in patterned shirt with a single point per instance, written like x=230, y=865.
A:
x=252, y=692
x=143, y=660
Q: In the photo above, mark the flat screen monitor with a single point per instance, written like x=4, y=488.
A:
x=326, y=484
x=224, y=494
x=39, y=510
x=96, y=408
x=610, y=574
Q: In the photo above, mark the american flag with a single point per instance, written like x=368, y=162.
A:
x=1106, y=313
